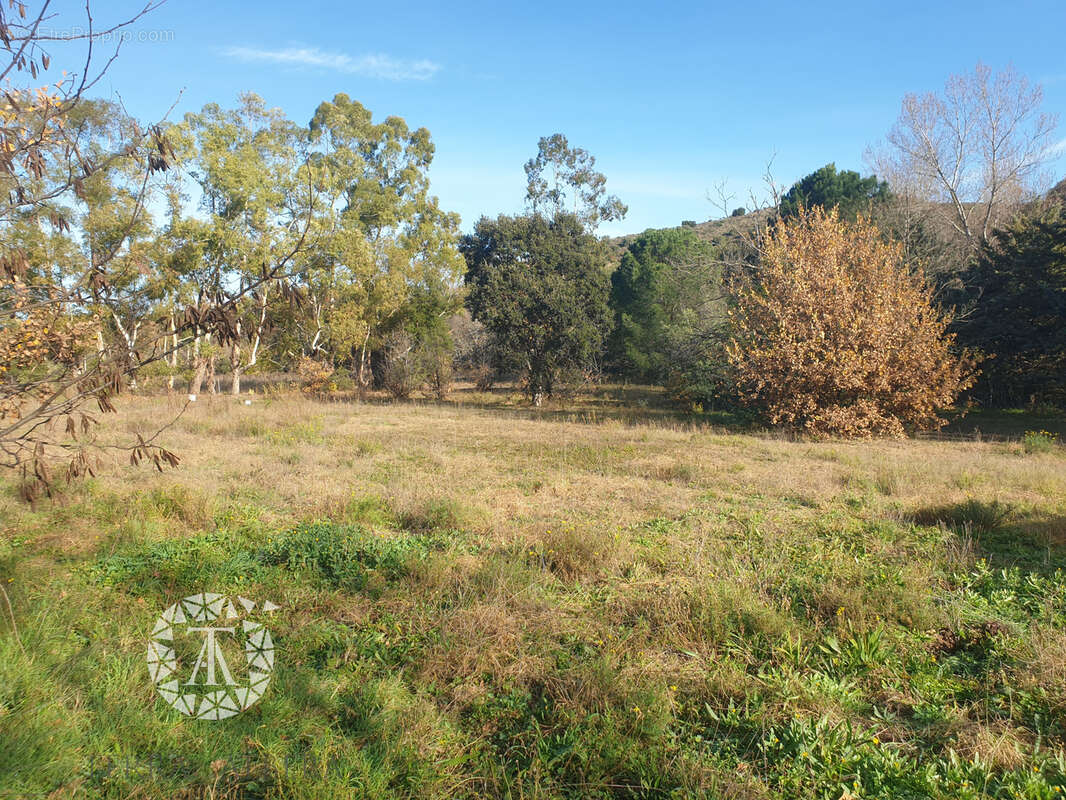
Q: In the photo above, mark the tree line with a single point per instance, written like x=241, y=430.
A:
x=237, y=240
x=846, y=305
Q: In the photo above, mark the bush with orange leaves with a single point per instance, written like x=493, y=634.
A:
x=834, y=336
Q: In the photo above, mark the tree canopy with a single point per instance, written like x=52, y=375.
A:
x=540, y=286
x=382, y=234
x=1018, y=314
x=660, y=289
x=846, y=191
x=563, y=179
x=971, y=153
x=834, y=335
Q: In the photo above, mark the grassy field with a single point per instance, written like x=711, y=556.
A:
x=602, y=600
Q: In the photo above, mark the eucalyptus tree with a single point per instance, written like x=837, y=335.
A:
x=381, y=232
x=256, y=188
x=180, y=252
x=563, y=179
x=115, y=226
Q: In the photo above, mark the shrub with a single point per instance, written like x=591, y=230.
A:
x=420, y=352
x=473, y=354
x=1039, y=441
x=440, y=376
x=404, y=371
x=411, y=364
x=833, y=335
x=436, y=352
x=484, y=378
x=343, y=556
x=314, y=375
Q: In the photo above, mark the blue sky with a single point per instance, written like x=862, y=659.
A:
x=671, y=98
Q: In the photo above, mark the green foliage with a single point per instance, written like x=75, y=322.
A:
x=1017, y=294
x=384, y=245
x=846, y=191
x=341, y=556
x=419, y=350
x=344, y=556
x=379, y=167
x=1013, y=594
x=1039, y=441
x=702, y=378
x=665, y=288
x=247, y=163
x=540, y=287
x=563, y=179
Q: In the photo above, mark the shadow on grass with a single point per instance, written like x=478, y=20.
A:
x=629, y=405
x=1003, y=534
x=637, y=404
x=1011, y=423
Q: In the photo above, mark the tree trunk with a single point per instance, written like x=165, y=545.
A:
x=364, y=361
x=199, y=372
x=129, y=337
x=540, y=381
x=172, y=359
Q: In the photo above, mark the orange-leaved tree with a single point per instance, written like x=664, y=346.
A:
x=834, y=335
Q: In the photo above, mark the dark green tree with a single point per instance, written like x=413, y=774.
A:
x=846, y=191
x=1018, y=316
x=658, y=295
x=540, y=286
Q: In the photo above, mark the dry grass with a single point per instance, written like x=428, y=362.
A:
x=517, y=477
x=604, y=563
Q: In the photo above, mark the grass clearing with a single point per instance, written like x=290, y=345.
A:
x=600, y=600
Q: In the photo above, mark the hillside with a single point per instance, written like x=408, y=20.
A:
x=726, y=228
x=714, y=230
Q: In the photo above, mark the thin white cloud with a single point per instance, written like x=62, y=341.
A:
x=372, y=65
x=1057, y=149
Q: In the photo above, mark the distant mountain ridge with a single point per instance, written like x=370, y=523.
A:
x=715, y=230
